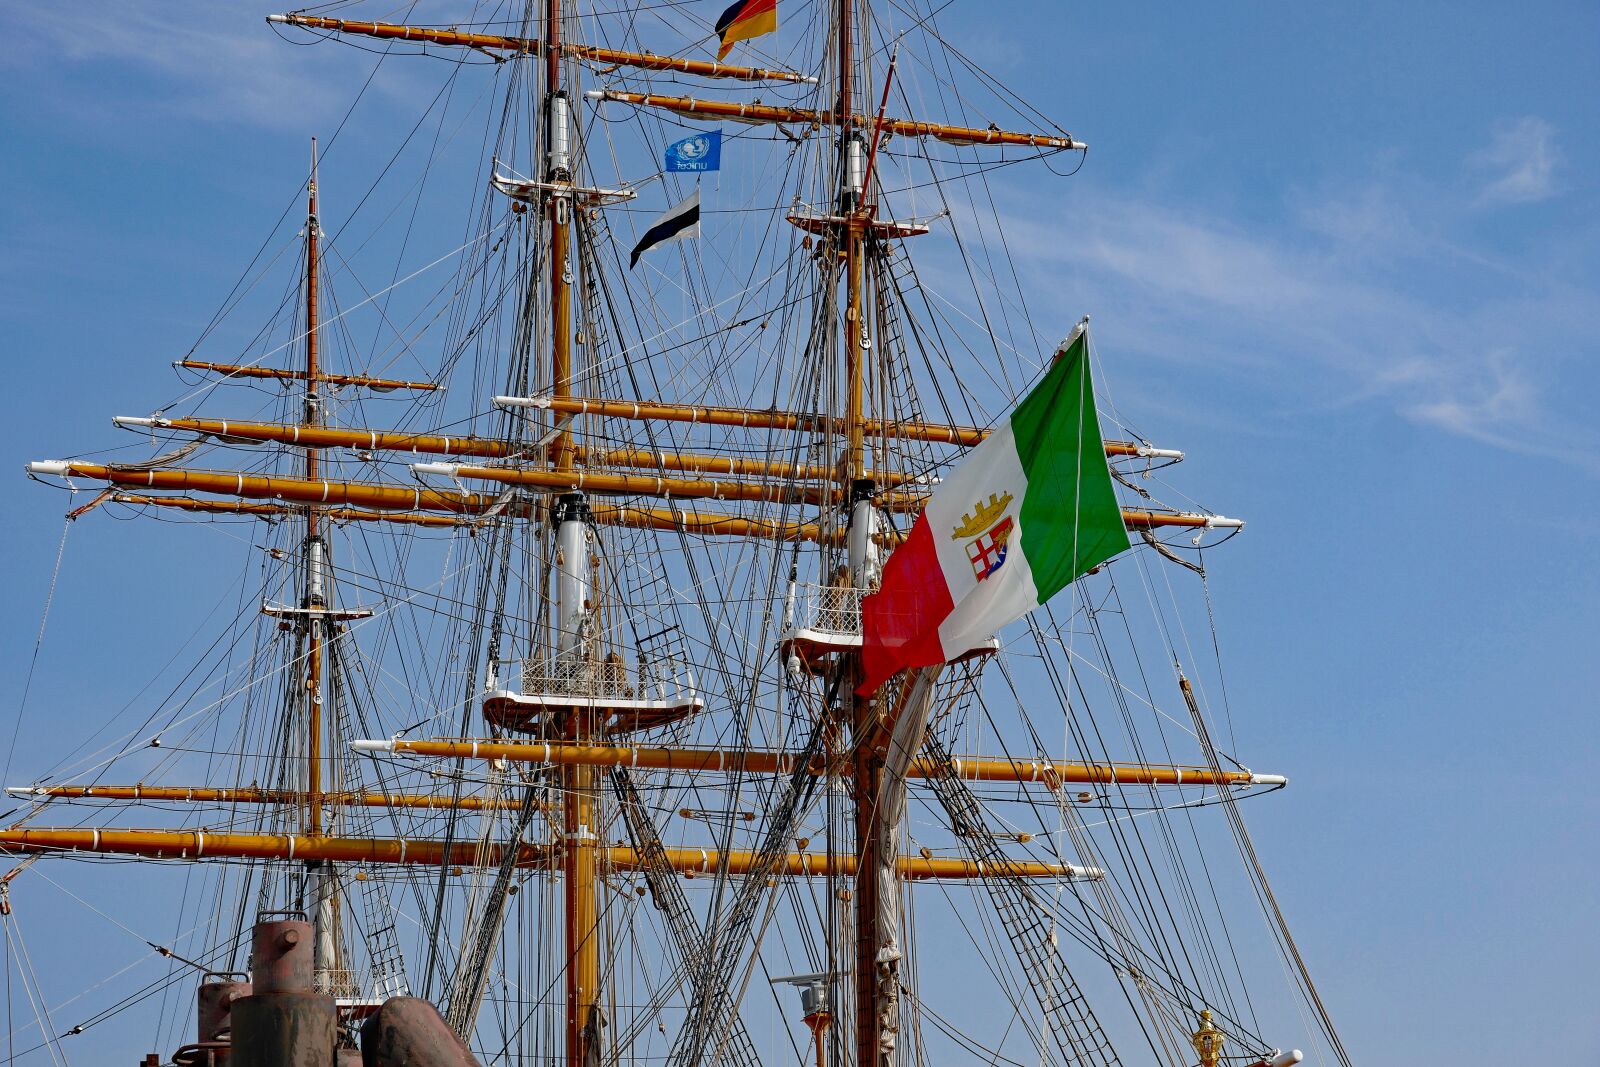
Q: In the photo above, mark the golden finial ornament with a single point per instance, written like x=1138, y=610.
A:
x=1208, y=1041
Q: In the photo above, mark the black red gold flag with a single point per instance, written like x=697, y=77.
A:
x=743, y=20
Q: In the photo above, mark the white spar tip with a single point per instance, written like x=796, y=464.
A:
x=1085, y=874
x=25, y=790
x=1268, y=779
x=1285, y=1059
x=444, y=470
x=58, y=467
x=1145, y=452
x=1222, y=522
x=521, y=401
x=136, y=420
x=280, y=18
x=359, y=745
x=1077, y=332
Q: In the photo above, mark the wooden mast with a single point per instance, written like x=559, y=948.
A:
x=321, y=880
x=558, y=149
x=579, y=856
x=313, y=556
x=866, y=768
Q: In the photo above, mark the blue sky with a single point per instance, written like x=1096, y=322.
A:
x=1345, y=255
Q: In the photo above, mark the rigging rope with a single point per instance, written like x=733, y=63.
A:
x=38, y=643
x=1258, y=874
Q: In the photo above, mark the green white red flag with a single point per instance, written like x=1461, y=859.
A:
x=1027, y=512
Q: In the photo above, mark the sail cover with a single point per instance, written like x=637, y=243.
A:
x=1028, y=511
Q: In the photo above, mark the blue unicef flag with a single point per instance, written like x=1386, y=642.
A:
x=701, y=152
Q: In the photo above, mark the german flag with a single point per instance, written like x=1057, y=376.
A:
x=743, y=20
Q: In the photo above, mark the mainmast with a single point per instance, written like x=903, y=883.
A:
x=872, y=1020
x=311, y=548
x=573, y=652
x=320, y=877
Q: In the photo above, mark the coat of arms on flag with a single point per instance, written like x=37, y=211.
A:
x=988, y=552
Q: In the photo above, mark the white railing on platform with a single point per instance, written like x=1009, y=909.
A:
x=338, y=983
x=829, y=609
x=660, y=680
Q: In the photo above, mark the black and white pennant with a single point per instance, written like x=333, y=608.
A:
x=675, y=224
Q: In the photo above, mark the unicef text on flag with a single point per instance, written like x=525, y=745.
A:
x=702, y=152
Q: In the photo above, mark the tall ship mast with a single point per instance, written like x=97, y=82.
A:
x=725, y=644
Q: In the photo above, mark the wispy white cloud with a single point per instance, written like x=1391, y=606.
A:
x=1519, y=162
x=1370, y=218
x=1380, y=294
x=216, y=63
x=1503, y=396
